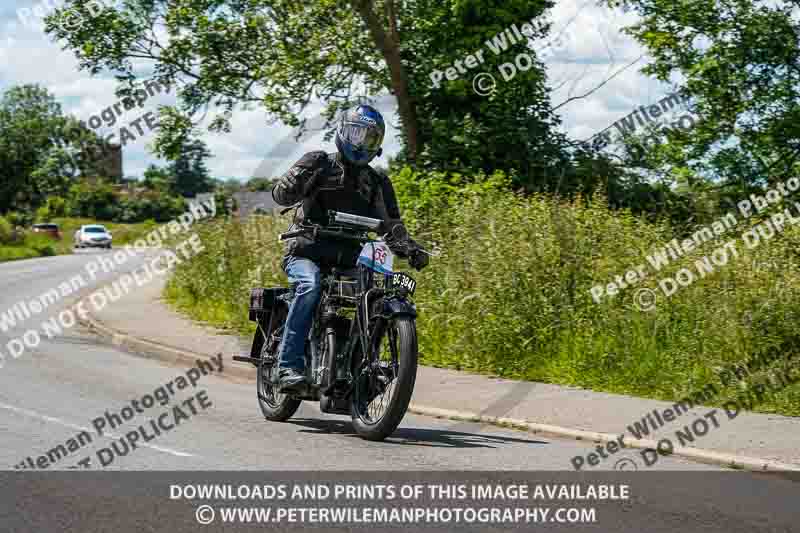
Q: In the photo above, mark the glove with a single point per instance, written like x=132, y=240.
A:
x=418, y=259
x=313, y=184
x=403, y=245
x=398, y=240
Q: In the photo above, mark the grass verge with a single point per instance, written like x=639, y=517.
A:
x=510, y=296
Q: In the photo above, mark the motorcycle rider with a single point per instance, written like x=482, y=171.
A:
x=341, y=181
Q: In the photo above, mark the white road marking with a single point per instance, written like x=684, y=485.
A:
x=12, y=272
x=112, y=436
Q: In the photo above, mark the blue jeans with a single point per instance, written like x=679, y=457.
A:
x=305, y=280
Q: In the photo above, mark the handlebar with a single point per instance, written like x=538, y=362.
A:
x=318, y=231
x=341, y=233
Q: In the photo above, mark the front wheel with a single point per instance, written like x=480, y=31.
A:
x=385, y=384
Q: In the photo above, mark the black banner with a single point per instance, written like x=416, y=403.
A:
x=397, y=501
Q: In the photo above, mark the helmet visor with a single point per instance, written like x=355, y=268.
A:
x=362, y=137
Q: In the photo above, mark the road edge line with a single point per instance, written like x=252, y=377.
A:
x=739, y=462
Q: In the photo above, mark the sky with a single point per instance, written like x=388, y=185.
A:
x=591, y=48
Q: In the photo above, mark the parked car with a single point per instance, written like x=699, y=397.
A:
x=48, y=229
x=93, y=236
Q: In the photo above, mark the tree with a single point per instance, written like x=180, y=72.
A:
x=188, y=173
x=284, y=54
x=42, y=151
x=513, y=128
x=259, y=184
x=157, y=178
x=740, y=62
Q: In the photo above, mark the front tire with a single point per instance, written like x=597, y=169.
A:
x=383, y=390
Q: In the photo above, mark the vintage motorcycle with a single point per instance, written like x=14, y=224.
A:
x=361, y=351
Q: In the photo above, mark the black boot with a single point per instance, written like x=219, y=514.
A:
x=290, y=380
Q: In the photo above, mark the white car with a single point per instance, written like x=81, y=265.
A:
x=93, y=236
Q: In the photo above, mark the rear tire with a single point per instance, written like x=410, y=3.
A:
x=401, y=374
x=275, y=406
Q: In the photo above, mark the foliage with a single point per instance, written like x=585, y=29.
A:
x=225, y=202
x=41, y=150
x=259, y=184
x=6, y=231
x=100, y=201
x=513, y=129
x=738, y=61
x=28, y=117
x=26, y=244
x=281, y=55
x=123, y=233
x=188, y=173
x=157, y=178
x=20, y=218
x=510, y=292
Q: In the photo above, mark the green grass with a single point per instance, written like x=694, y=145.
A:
x=37, y=245
x=13, y=253
x=510, y=296
x=29, y=247
x=123, y=233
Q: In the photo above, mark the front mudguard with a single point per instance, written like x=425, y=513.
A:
x=396, y=306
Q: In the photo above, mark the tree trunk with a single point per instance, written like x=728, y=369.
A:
x=389, y=47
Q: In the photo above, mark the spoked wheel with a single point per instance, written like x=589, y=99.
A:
x=276, y=407
x=384, y=386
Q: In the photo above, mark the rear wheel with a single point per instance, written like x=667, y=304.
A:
x=276, y=407
x=384, y=387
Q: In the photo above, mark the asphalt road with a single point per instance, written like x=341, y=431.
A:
x=50, y=394
x=65, y=383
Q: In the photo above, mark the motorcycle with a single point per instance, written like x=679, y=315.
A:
x=361, y=352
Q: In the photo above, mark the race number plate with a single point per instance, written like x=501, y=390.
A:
x=401, y=280
x=377, y=256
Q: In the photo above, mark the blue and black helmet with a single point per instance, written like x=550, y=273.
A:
x=360, y=134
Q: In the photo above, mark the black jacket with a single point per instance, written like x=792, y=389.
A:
x=338, y=187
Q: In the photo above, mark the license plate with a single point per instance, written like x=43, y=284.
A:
x=401, y=280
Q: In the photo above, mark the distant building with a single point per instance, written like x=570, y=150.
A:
x=103, y=157
x=247, y=202
x=254, y=202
